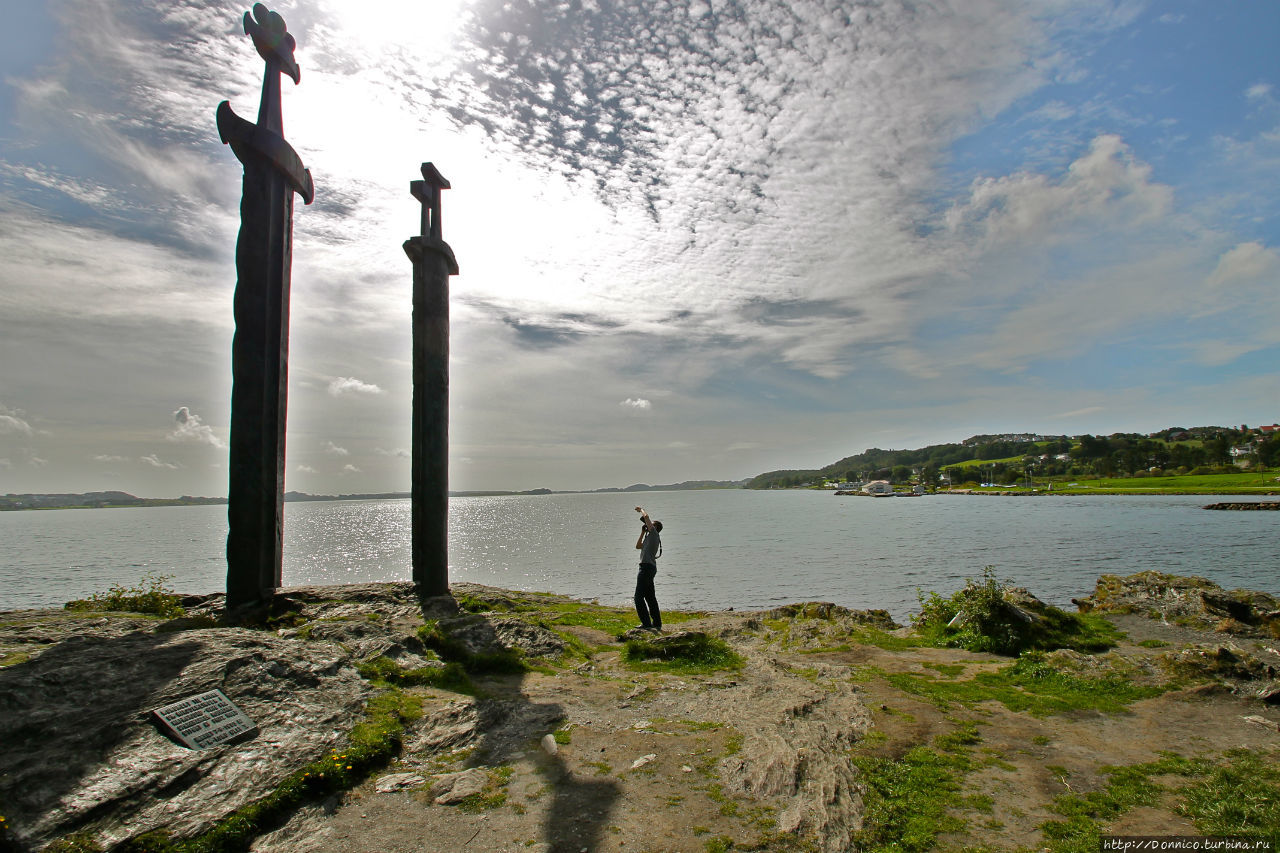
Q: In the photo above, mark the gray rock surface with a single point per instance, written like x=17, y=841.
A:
x=452, y=788
x=398, y=782
x=479, y=635
x=81, y=751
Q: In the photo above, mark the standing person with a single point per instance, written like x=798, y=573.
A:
x=650, y=547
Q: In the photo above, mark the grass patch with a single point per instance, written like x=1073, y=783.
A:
x=1031, y=685
x=947, y=670
x=1241, y=796
x=697, y=653
x=606, y=620
x=1238, y=796
x=908, y=800
x=149, y=596
x=1153, y=644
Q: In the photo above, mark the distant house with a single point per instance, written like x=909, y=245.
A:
x=1242, y=455
x=878, y=487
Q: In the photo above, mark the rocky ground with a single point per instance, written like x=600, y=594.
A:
x=584, y=750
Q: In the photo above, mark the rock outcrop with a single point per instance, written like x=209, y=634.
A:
x=1192, y=601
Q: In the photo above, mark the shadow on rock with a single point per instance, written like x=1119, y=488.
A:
x=506, y=722
x=64, y=713
x=81, y=752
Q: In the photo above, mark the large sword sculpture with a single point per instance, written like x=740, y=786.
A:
x=273, y=172
x=433, y=263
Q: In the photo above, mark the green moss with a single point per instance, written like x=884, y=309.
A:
x=719, y=844
x=384, y=671
x=80, y=842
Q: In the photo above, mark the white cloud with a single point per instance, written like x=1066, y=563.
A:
x=1105, y=185
x=330, y=447
x=105, y=457
x=1258, y=91
x=398, y=453
x=351, y=385
x=1246, y=263
x=156, y=462
x=191, y=429
x=636, y=404
x=350, y=469
x=306, y=469
x=12, y=421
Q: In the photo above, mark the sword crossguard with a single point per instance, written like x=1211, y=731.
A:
x=273, y=41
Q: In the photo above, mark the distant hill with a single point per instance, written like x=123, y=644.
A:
x=687, y=485
x=96, y=500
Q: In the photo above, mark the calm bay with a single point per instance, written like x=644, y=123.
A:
x=721, y=549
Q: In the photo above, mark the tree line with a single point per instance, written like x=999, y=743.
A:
x=1174, y=450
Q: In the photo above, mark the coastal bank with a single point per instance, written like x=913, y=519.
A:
x=499, y=720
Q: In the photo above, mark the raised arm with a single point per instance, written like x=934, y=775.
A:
x=648, y=526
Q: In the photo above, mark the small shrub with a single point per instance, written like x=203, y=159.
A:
x=989, y=623
x=149, y=596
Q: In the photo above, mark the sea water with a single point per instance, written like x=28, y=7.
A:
x=721, y=548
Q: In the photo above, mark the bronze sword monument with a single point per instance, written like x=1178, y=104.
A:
x=433, y=263
x=273, y=172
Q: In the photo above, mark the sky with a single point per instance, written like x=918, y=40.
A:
x=696, y=240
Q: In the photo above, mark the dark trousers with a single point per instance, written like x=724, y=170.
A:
x=647, y=598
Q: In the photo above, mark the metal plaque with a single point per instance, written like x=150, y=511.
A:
x=205, y=720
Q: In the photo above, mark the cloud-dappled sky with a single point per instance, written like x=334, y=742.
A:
x=697, y=240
